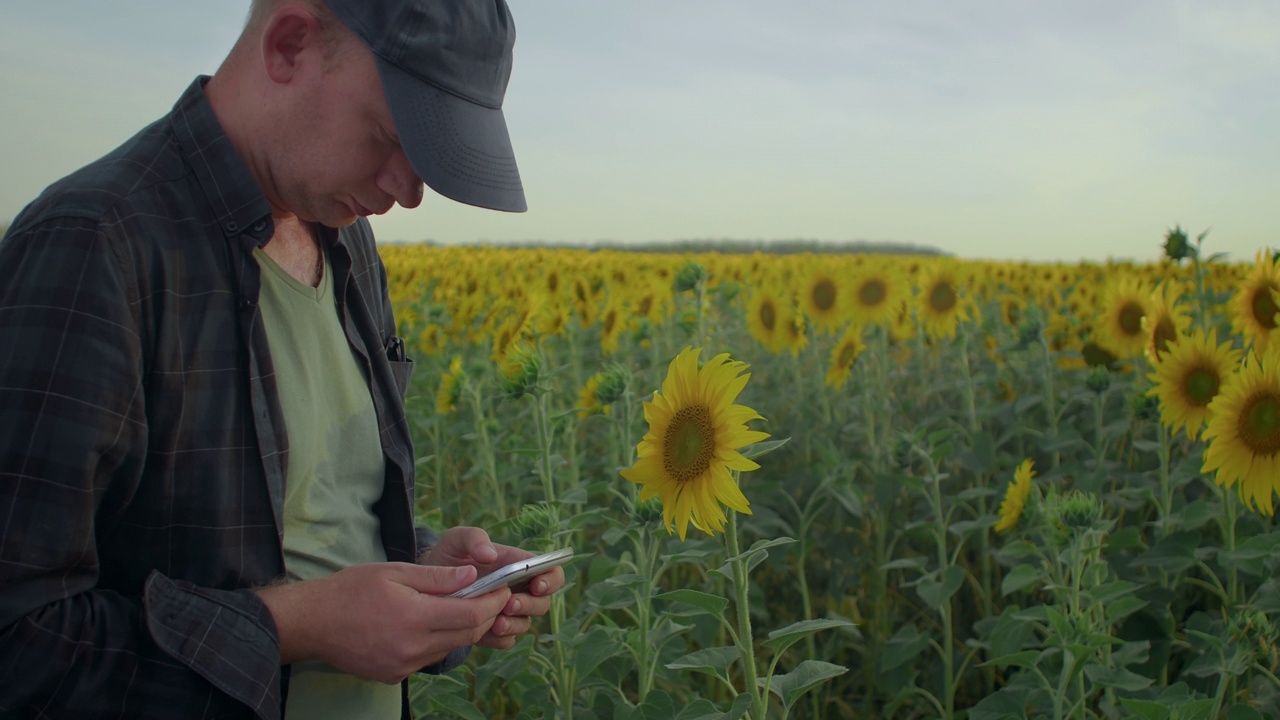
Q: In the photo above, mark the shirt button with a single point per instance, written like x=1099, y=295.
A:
x=232, y=226
x=259, y=226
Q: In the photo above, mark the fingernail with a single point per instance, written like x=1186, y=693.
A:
x=542, y=587
x=460, y=572
x=515, y=606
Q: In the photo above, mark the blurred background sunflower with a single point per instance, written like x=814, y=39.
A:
x=1244, y=431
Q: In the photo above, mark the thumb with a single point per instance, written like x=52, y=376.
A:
x=436, y=579
x=468, y=543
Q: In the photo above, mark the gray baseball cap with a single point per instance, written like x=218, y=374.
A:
x=444, y=66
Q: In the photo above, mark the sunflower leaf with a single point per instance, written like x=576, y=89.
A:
x=806, y=676
x=783, y=638
x=754, y=556
x=756, y=450
x=711, y=661
x=711, y=604
x=1019, y=578
x=936, y=592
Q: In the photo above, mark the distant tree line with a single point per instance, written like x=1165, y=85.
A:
x=734, y=246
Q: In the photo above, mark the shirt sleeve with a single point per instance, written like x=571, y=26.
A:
x=73, y=438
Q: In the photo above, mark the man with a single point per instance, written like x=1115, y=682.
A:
x=205, y=471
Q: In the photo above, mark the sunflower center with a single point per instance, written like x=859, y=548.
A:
x=824, y=294
x=942, y=297
x=1259, y=425
x=610, y=319
x=1201, y=386
x=768, y=315
x=872, y=293
x=1165, y=333
x=848, y=353
x=689, y=444
x=1012, y=314
x=1129, y=319
x=1264, y=308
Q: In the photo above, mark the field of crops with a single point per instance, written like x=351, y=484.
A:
x=988, y=490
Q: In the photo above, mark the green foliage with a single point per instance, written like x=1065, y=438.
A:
x=1130, y=585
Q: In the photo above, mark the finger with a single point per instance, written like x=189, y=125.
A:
x=524, y=604
x=548, y=583
x=434, y=579
x=469, y=543
x=446, y=613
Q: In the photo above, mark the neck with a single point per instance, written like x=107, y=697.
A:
x=295, y=247
x=243, y=112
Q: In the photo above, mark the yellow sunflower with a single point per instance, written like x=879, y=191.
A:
x=1015, y=498
x=823, y=299
x=588, y=403
x=764, y=318
x=793, y=335
x=1167, y=321
x=1012, y=307
x=843, y=355
x=1119, y=328
x=876, y=293
x=941, y=305
x=450, y=388
x=1243, y=435
x=694, y=435
x=1253, y=307
x=1188, y=377
x=612, y=322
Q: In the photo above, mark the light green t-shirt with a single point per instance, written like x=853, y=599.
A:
x=335, y=472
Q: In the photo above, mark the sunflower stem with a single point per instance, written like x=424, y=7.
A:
x=1202, y=301
x=564, y=672
x=946, y=647
x=741, y=587
x=699, y=293
x=1050, y=398
x=1229, y=537
x=487, y=454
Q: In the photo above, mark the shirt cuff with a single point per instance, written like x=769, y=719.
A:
x=228, y=637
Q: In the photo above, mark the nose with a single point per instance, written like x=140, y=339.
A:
x=398, y=180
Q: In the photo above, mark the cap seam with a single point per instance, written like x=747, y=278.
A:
x=433, y=84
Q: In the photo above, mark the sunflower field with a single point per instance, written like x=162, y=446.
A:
x=858, y=486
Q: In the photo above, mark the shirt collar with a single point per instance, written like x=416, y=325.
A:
x=233, y=195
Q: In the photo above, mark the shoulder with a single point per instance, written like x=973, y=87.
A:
x=126, y=183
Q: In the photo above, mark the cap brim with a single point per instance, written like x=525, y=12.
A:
x=460, y=149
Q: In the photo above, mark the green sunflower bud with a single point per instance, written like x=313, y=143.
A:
x=1144, y=408
x=1099, y=379
x=649, y=511
x=1030, y=325
x=1176, y=246
x=614, y=380
x=688, y=277
x=535, y=521
x=520, y=370
x=1077, y=510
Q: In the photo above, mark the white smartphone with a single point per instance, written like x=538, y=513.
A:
x=515, y=572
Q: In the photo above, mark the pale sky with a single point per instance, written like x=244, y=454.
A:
x=1024, y=129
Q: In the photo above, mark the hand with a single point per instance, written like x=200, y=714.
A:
x=381, y=621
x=461, y=546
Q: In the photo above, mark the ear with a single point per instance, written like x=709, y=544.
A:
x=291, y=38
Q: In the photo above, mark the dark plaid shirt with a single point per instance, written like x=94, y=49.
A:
x=142, y=448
